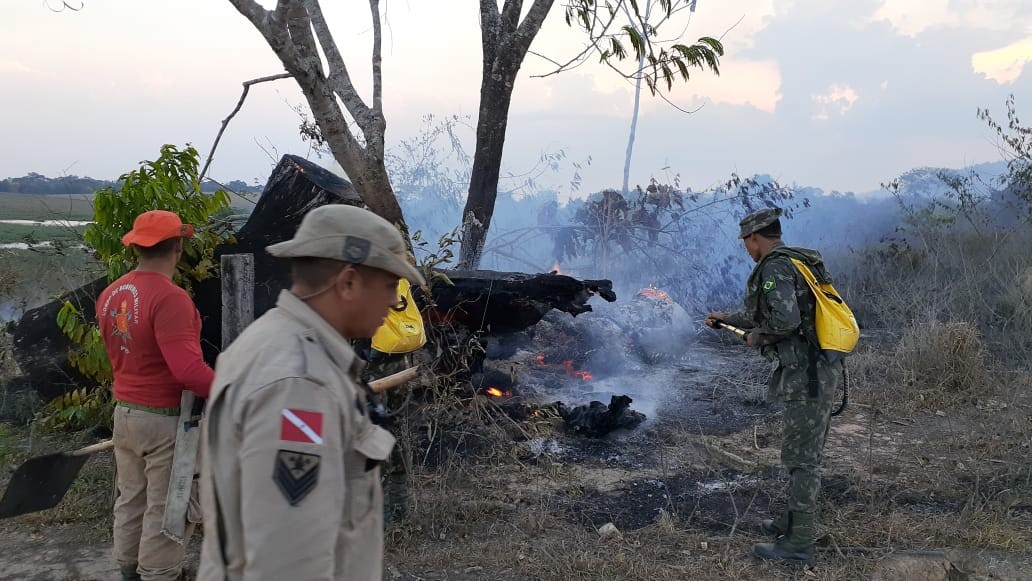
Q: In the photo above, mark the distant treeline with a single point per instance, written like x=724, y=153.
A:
x=35, y=183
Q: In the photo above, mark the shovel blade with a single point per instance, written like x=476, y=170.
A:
x=40, y=483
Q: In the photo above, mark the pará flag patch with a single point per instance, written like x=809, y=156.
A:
x=301, y=426
x=769, y=285
x=296, y=474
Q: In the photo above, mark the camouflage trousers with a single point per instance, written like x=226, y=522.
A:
x=806, y=423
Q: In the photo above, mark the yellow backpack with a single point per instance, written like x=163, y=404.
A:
x=837, y=330
x=402, y=331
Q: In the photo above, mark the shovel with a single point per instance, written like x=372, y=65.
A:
x=40, y=483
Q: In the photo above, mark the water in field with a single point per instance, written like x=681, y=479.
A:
x=62, y=223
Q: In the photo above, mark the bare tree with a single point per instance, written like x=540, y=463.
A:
x=296, y=30
x=505, y=41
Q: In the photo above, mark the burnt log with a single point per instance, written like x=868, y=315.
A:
x=597, y=419
x=504, y=302
x=295, y=186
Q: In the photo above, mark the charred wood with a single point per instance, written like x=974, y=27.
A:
x=597, y=419
x=503, y=302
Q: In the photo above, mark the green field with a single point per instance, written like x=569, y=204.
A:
x=54, y=207
x=34, y=234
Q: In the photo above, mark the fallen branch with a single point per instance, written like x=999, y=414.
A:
x=739, y=462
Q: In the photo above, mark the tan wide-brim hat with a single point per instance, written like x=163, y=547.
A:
x=353, y=235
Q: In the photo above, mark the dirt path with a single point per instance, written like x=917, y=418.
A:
x=54, y=553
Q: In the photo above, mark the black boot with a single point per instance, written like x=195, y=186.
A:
x=129, y=572
x=796, y=546
x=775, y=527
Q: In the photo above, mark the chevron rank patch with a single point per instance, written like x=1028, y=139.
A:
x=769, y=285
x=296, y=474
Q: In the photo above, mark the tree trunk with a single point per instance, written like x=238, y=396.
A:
x=298, y=33
x=633, y=130
x=495, y=96
x=505, y=41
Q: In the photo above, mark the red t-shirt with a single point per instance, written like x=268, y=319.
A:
x=151, y=332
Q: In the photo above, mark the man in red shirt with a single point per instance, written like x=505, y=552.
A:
x=151, y=332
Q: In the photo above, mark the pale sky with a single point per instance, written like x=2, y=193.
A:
x=837, y=94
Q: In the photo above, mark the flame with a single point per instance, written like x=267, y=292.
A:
x=494, y=391
x=555, y=269
x=540, y=359
x=653, y=292
x=583, y=375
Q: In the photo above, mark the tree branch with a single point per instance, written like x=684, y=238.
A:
x=374, y=6
x=489, y=32
x=531, y=24
x=225, y=122
x=510, y=18
x=339, y=78
x=582, y=56
x=254, y=12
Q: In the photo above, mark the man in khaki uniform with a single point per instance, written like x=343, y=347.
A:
x=291, y=479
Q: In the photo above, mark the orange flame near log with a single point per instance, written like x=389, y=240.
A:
x=494, y=391
x=568, y=366
x=653, y=292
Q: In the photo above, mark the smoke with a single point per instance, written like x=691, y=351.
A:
x=684, y=245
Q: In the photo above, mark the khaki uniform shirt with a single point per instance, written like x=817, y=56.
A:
x=290, y=480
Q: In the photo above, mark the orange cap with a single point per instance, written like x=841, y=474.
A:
x=154, y=226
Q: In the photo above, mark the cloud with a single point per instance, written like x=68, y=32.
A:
x=13, y=67
x=839, y=99
x=1003, y=65
x=742, y=82
x=912, y=17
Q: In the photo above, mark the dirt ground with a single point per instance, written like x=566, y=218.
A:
x=908, y=494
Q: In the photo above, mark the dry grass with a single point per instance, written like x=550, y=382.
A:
x=942, y=358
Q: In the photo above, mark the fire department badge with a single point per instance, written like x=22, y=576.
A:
x=296, y=474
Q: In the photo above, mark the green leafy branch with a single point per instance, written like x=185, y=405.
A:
x=171, y=183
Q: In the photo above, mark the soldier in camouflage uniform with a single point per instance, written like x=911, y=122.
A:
x=779, y=315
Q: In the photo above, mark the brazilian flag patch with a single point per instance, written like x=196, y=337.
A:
x=768, y=285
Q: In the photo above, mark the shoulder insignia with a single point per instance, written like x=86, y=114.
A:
x=296, y=474
x=769, y=284
x=301, y=426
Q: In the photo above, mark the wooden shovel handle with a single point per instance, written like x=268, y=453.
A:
x=93, y=448
x=732, y=328
x=383, y=384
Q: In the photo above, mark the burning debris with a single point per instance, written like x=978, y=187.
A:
x=597, y=419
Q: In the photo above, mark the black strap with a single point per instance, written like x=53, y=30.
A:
x=845, y=391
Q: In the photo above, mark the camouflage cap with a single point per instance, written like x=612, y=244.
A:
x=758, y=220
